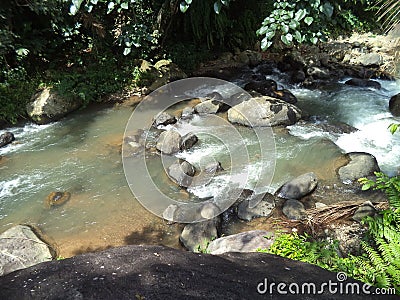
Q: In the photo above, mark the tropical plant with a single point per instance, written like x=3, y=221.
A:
x=389, y=13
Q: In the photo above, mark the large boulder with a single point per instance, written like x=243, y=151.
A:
x=188, y=141
x=257, y=206
x=370, y=59
x=361, y=165
x=21, y=248
x=207, y=107
x=264, y=111
x=164, y=118
x=364, y=83
x=169, y=142
x=394, y=105
x=157, y=272
x=196, y=236
x=298, y=187
x=181, y=172
x=248, y=241
x=6, y=138
x=47, y=106
x=168, y=72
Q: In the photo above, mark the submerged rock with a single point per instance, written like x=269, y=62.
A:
x=361, y=165
x=248, y=241
x=21, y=248
x=196, y=236
x=298, y=187
x=6, y=138
x=169, y=142
x=57, y=198
x=264, y=111
x=47, y=106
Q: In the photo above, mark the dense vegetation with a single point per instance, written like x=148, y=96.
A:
x=87, y=48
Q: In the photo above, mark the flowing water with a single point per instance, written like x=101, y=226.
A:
x=81, y=154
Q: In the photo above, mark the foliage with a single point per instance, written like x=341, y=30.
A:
x=389, y=12
x=393, y=128
x=15, y=92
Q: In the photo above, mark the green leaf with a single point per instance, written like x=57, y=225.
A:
x=124, y=5
x=225, y=2
x=22, y=52
x=314, y=40
x=94, y=1
x=265, y=43
x=284, y=28
x=183, y=7
x=393, y=128
x=270, y=34
x=294, y=24
x=300, y=14
x=287, y=39
x=262, y=30
x=127, y=51
x=110, y=7
x=298, y=37
x=188, y=2
x=308, y=20
x=366, y=187
x=327, y=9
x=217, y=7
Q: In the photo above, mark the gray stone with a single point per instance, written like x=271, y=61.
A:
x=364, y=83
x=181, y=173
x=294, y=210
x=6, y=138
x=298, y=187
x=213, y=167
x=264, y=111
x=207, y=107
x=248, y=241
x=164, y=119
x=21, y=248
x=360, y=165
x=47, y=106
x=169, y=142
x=394, y=105
x=257, y=206
x=370, y=59
x=348, y=236
x=187, y=112
x=196, y=236
x=188, y=141
x=366, y=209
x=318, y=73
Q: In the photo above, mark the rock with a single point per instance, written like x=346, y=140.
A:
x=181, y=173
x=394, y=105
x=298, y=76
x=168, y=72
x=196, y=236
x=164, y=119
x=264, y=86
x=294, y=210
x=264, y=111
x=47, y=106
x=284, y=95
x=364, y=83
x=188, y=141
x=348, y=236
x=169, y=142
x=6, y=138
x=158, y=272
x=318, y=73
x=56, y=199
x=187, y=112
x=21, y=248
x=248, y=241
x=298, y=187
x=213, y=167
x=257, y=206
x=361, y=165
x=366, y=209
x=370, y=59
x=207, y=107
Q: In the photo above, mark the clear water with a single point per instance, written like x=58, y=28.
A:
x=81, y=154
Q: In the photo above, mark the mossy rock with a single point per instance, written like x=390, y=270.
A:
x=57, y=199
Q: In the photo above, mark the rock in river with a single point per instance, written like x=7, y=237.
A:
x=294, y=210
x=47, y=106
x=394, y=105
x=196, y=236
x=169, y=142
x=181, y=173
x=6, y=138
x=264, y=111
x=298, y=187
x=57, y=198
x=256, y=206
x=361, y=165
